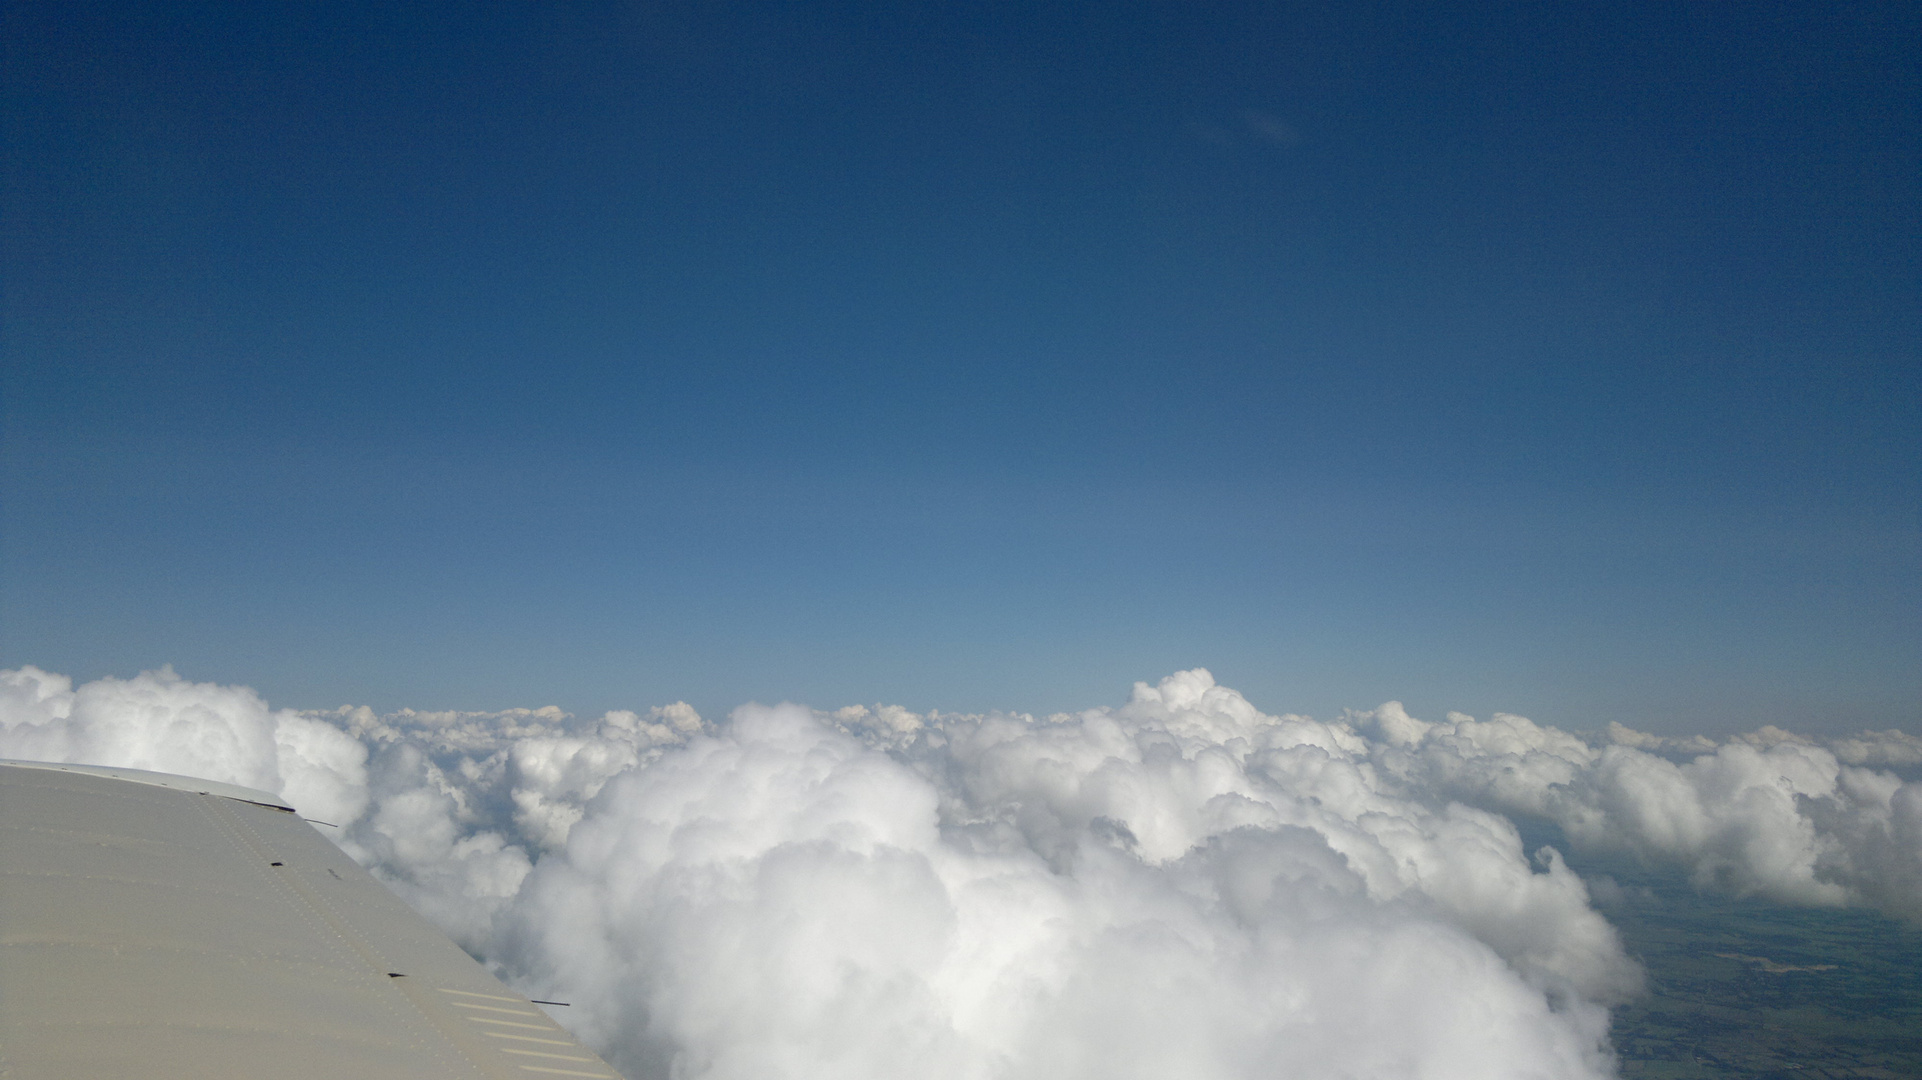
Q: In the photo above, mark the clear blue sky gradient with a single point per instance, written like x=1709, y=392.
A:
x=1558, y=359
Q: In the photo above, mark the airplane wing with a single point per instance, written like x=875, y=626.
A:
x=163, y=927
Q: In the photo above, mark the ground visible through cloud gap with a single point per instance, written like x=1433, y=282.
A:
x=1754, y=989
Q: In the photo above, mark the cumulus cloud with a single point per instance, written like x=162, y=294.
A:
x=1769, y=813
x=1182, y=884
x=1108, y=895
x=1879, y=748
x=462, y=804
x=161, y=722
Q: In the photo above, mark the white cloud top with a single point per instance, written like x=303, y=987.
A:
x=1183, y=885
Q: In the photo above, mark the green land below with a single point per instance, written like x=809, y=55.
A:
x=1749, y=988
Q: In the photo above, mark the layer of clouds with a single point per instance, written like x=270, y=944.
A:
x=1768, y=813
x=1179, y=885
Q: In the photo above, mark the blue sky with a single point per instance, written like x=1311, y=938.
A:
x=1495, y=357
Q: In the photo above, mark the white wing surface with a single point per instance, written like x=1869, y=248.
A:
x=162, y=927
